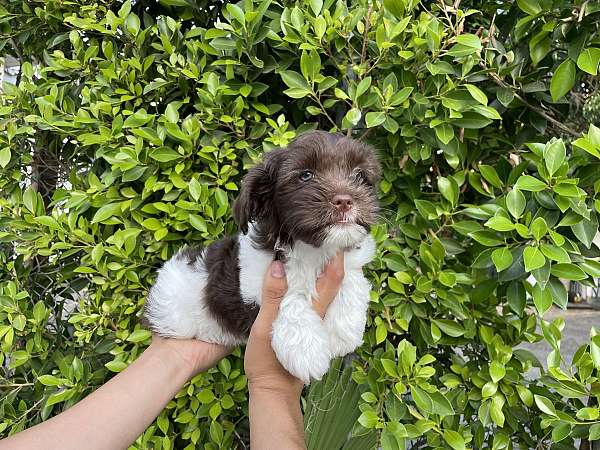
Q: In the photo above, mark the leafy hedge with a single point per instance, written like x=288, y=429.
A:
x=131, y=126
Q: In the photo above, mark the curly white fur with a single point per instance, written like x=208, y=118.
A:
x=303, y=342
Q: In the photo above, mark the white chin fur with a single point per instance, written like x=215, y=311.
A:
x=344, y=235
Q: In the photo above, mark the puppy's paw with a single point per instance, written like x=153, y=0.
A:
x=301, y=345
x=343, y=340
x=347, y=315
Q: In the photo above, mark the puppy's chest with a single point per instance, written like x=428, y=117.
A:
x=303, y=264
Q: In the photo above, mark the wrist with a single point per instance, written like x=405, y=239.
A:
x=283, y=389
x=168, y=354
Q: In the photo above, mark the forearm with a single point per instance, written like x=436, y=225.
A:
x=114, y=415
x=276, y=419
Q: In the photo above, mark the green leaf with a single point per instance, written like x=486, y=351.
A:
x=115, y=365
x=5, y=156
x=444, y=132
x=490, y=174
x=515, y=202
x=454, y=439
x=477, y=94
x=588, y=413
x=294, y=80
x=362, y=87
x=542, y=298
x=447, y=278
x=533, y=258
x=422, y=399
x=449, y=327
x=558, y=292
x=538, y=228
x=195, y=188
x=469, y=40
x=396, y=7
x=563, y=79
x=516, y=297
x=368, y=419
x=51, y=380
x=586, y=230
x=316, y=6
x=505, y=96
x=390, y=367
x=554, y=155
x=500, y=223
x=30, y=199
x=198, y=223
x=487, y=238
x=561, y=431
x=588, y=60
x=594, y=432
x=139, y=335
x=132, y=24
x=568, y=271
x=449, y=189
x=107, y=211
x=555, y=253
x=380, y=333
x=525, y=395
x=545, y=405
x=310, y=64
x=353, y=116
x=171, y=112
x=502, y=258
x=373, y=119
x=529, y=183
x=497, y=371
x=531, y=7
x=164, y=154
x=236, y=12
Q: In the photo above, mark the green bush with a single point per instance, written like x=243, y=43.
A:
x=130, y=127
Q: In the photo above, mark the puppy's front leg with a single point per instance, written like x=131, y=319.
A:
x=300, y=340
x=347, y=315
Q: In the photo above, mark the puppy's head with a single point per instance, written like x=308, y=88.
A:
x=320, y=190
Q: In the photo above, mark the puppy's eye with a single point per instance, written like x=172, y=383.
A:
x=306, y=175
x=361, y=177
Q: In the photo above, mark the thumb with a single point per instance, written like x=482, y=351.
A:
x=274, y=288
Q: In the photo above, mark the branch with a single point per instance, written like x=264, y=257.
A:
x=538, y=110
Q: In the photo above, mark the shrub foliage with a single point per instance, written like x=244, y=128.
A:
x=130, y=126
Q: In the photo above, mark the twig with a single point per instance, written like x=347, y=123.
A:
x=15, y=385
x=540, y=111
x=582, y=11
x=20, y=56
x=365, y=134
x=363, y=54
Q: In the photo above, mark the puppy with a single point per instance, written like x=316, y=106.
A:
x=302, y=204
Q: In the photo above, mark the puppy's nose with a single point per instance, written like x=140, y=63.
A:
x=343, y=202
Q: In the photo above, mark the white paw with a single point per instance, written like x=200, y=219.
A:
x=344, y=341
x=301, y=343
x=347, y=315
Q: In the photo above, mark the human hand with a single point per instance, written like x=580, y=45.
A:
x=190, y=355
x=262, y=367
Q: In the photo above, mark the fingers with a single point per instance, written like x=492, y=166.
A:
x=274, y=288
x=328, y=284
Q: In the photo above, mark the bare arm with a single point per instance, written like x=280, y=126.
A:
x=275, y=416
x=113, y=416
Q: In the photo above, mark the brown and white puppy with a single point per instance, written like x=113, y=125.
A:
x=306, y=202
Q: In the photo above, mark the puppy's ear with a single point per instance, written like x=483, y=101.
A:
x=258, y=187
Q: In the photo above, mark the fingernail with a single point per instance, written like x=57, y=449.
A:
x=277, y=269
